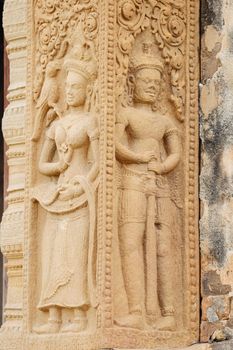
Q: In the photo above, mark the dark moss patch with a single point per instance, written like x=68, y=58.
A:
x=218, y=133
x=211, y=13
x=218, y=249
x=230, y=41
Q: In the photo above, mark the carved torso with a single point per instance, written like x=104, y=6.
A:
x=146, y=131
x=71, y=135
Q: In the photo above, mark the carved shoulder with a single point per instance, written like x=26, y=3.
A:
x=170, y=127
x=123, y=116
x=93, y=127
x=50, y=132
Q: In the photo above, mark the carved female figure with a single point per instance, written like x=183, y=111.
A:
x=69, y=200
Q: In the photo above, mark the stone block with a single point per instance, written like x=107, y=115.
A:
x=212, y=284
x=207, y=330
x=228, y=345
x=215, y=308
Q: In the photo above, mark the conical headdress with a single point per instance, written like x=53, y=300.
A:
x=81, y=60
x=144, y=56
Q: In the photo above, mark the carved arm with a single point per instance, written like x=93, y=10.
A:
x=172, y=145
x=94, y=171
x=123, y=153
x=46, y=166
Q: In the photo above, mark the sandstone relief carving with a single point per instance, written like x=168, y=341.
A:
x=67, y=128
x=108, y=253
x=148, y=147
x=69, y=229
x=166, y=20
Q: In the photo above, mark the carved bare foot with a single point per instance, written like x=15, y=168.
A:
x=50, y=327
x=166, y=323
x=131, y=321
x=75, y=327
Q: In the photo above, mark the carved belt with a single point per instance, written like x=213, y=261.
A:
x=144, y=182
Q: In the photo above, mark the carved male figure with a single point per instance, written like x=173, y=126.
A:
x=148, y=148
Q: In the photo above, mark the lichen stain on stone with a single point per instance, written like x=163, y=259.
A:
x=212, y=285
x=217, y=137
x=216, y=236
x=212, y=38
x=217, y=181
x=218, y=247
x=213, y=138
x=215, y=308
x=209, y=98
x=211, y=45
x=230, y=40
x=212, y=315
x=226, y=274
x=227, y=162
x=211, y=13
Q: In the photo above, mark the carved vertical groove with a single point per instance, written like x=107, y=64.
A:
x=107, y=149
x=192, y=148
x=28, y=170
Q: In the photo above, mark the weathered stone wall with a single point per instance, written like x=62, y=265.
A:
x=216, y=186
x=49, y=42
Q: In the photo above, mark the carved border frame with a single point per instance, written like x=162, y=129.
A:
x=31, y=340
x=151, y=339
x=193, y=165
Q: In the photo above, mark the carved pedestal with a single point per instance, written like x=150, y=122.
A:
x=101, y=230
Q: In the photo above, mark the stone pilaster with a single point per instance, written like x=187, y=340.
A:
x=216, y=103
x=12, y=226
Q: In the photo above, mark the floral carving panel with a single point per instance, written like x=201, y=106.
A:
x=166, y=20
x=55, y=21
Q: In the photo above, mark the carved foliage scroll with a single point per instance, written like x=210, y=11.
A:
x=166, y=20
x=55, y=23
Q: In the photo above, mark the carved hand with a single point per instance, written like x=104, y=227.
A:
x=146, y=157
x=62, y=165
x=69, y=191
x=66, y=192
x=156, y=167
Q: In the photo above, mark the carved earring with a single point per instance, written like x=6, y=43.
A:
x=130, y=89
x=89, y=98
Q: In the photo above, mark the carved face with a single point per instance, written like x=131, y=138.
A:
x=76, y=86
x=147, y=85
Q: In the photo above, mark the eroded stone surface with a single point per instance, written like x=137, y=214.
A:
x=216, y=174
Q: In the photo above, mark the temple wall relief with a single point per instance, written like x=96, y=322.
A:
x=101, y=229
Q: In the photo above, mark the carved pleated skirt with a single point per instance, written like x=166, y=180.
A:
x=64, y=260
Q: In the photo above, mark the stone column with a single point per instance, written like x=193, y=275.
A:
x=216, y=107
x=101, y=231
x=12, y=227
